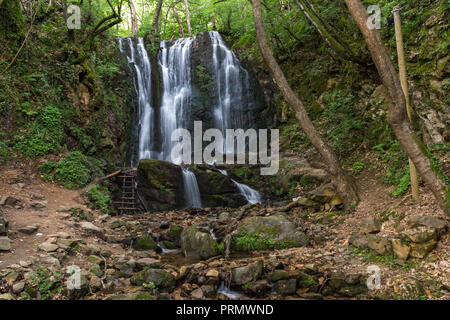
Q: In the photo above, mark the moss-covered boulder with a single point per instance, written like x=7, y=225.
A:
x=263, y=233
x=146, y=242
x=162, y=279
x=160, y=185
x=248, y=273
x=198, y=244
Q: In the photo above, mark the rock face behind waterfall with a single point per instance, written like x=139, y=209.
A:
x=160, y=186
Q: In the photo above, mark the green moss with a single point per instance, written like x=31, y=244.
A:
x=99, y=198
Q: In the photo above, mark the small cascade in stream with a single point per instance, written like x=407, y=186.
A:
x=252, y=196
x=191, y=192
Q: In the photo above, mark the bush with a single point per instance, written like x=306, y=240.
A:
x=73, y=171
x=357, y=167
x=99, y=198
x=43, y=135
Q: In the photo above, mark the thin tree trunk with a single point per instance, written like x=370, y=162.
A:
x=180, y=23
x=398, y=118
x=155, y=23
x=188, y=18
x=404, y=83
x=343, y=183
x=134, y=26
x=326, y=32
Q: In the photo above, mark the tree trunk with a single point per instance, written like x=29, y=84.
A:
x=326, y=32
x=180, y=23
x=155, y=23
x=400, y=124
x=343, y=183
x=134, y=26
x=188, y=18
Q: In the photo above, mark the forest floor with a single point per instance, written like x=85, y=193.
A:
x=47, y=206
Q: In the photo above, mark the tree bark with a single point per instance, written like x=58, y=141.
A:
x=180, y=23
x=343, y=183
x=326, y=32
x=155, y=23
x=188, y=18
x=134, y=25
x=398, y=118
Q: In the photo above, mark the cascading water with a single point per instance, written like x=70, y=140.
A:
x=175, y=65
x=232, y=86
x=140, y=62
x=252, y=196
x=174, y=60
x=191, y=192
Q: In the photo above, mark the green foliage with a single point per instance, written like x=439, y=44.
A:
x=100, y=198
x=48, y=282
x=151, y=286
x=43, y=135
x=357, y=167
x=73, y=171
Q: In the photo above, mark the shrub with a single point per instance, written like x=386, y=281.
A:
x=357, y=167
x=43, y=135
x=73, y=171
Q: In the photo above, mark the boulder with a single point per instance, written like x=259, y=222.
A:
x=421, y=250
x=269, y=232
x=48, y=247
x=306, y=281
x=160, y=185
x=248, y=273
x=258, y=287
x=161, y=278
x=419, y=235
x=381, y=245
x=285, y=287
x=146, y=242
x=401, y=250
x=198, y=244
x=428, y=221
x=370, y=225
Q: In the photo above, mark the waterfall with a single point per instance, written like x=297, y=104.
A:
x=139, y=62
x=191, y=192
x=231, y=103
x=252, y=196
x=175, y=65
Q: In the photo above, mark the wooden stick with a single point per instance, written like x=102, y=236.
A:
x=404, y=84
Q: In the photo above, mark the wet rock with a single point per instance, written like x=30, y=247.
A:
x=278, y=229
x=160, y=185
x=251, y=272
x=258, y=287
x=29, y=229
x=285, y=287
x=161, y=278
x=174, y=234
x=370, y=225
x=381, y=245
x=306, y=281
x=148, y=262
x=401, y=250
x=279, y=275
x=209, y=291
x=146, y=242
x=198, y=244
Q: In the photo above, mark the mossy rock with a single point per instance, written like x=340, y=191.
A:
x=146, y=242
x=198, y=244
x=306, y=281
x=139, y=295
x=162, y=279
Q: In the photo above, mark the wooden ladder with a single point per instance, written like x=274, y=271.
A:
x=129, y=202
